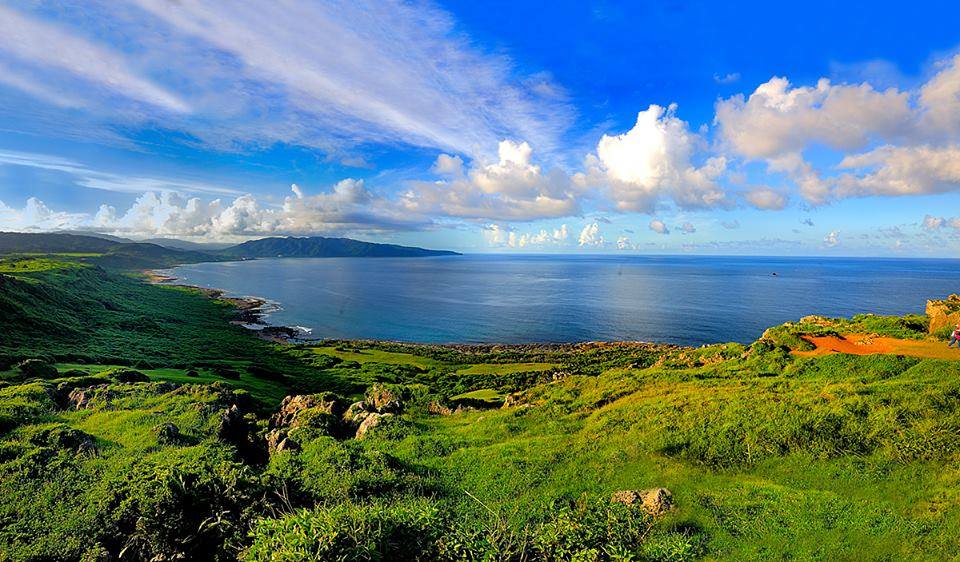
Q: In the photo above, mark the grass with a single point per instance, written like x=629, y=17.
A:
x=483, y=395
x=504, y=368
x=362, y=356
x=769, y=454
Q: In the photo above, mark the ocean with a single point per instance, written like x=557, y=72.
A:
x=688, y=300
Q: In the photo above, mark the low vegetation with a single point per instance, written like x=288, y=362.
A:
x=137, y=423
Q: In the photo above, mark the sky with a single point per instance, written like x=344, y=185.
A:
x=821, y=128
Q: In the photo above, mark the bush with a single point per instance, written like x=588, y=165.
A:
x=587, y=531
x=37, y=368
x=124, y=375
x=347, y=532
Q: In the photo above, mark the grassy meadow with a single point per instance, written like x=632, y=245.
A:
x=138, y=423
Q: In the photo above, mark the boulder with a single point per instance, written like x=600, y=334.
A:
x=372, y=420
x=355, y=414
x=655, y=501
x=437, y=409
x=90, y=398
x=381, y=399
x=292, y=407
x=943, y=314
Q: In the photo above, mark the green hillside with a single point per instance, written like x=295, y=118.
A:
x=137, y=423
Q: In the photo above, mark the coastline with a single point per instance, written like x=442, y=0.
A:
x=252, y=311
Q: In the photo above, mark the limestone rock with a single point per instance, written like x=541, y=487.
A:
x=943, y=314
x=293, y=406
x=655, y=501
x=383, y=400
x=371, y=421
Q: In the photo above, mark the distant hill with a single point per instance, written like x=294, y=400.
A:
x=322, y=247
x=102, y=251
x=185, y=245
x=118, y=253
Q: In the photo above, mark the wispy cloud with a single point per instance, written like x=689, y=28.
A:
x=109, y=181
x=323, y=74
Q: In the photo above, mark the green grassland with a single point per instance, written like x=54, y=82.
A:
x=142, y=433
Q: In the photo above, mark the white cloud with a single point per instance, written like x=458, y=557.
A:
x=36, y=216
x=832, y=240
x=940, y=101
x=321, y=74
x=498, y=235
x=623, y=243
x=779, y=119
x=28, y=40
x=109, y=181
x=659, y=227
x=766, y=199
x=931, y=222
x=512, y=189
x=590, y=235
x=654, y=161
x=891, y=170
x=730, y=78
x=348, y=207
x=687, y=228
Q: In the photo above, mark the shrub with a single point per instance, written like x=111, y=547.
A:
x=348, y=531
x=597, y=530
x=37, y=368
x=125, y=375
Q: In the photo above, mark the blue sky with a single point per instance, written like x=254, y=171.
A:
x=722, y=128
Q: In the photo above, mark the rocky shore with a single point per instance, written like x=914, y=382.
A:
x=250, y=310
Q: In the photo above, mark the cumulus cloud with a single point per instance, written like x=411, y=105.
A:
x=348, y=207
x=623, y=243
x=807, y=221
x=832, y=239
x=766, y=199
x=778, y=118
x=687, y=228
x=504, y=236
x=659, y=227
x=512, y=189
x=931, y=222
x=654, y=161
x=900, y=170
x=36, y=216
x=590, y=235
x=892, y=142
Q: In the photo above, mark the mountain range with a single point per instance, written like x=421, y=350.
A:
x=121, y=253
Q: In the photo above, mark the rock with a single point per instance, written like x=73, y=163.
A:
x=512, y=399
x=438, y=409
x=944, y=314
x=63, y=437
x=381, y=399
x=293, y=406
x=90, y=397
x=371, y=421
x=287, y=444
x=355, y=413
x=655, y=501
x=274, y=437
x=167, y=433
x=232, y=425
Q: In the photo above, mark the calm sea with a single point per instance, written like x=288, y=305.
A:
x=487, y=298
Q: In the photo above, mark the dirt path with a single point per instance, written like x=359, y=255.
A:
x=863, y=344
